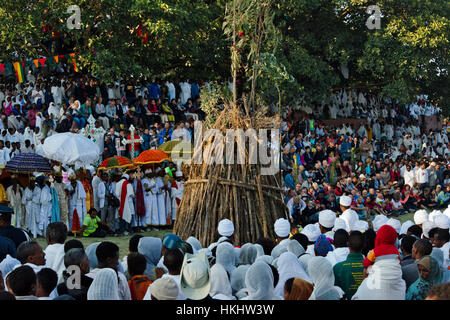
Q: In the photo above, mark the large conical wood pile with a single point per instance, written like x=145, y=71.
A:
x=238, y=192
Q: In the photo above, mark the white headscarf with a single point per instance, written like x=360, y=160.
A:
x=151, y=248
x=248, y=254
x=289, y=267
x=7, y=265
x=105, y=286
x=220, y=285
x=226, y=257
x=296, y=248
x=267, y=259
x=92, y=255
x=280, y=248
x=259, y=282
x=259, y=249
x=321, y=274
x=238, y=278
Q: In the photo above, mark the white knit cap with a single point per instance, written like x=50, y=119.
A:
x=282, y=227
x=442, y=221
x=420, y=216
x=339, y=224
x=394, y=223
x=327, y=218
x=345, y=201
x=379, y=221
x=164, y=289
x=225, y=228
x=311, y=231
x=427, y=226
x=405, y=226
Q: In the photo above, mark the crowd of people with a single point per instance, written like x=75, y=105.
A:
x=345, y=184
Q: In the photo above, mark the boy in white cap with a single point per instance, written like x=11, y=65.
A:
x=420, y=217
x=176, y=189
x=164, y=289
x=282, y=229
x=350, y=216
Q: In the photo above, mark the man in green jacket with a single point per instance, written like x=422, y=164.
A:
x=349, y=274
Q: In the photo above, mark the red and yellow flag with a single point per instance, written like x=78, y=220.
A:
x=72, y=55
x=18, y=66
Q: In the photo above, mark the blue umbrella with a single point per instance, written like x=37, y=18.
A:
x=28, y=163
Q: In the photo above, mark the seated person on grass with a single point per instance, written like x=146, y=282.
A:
x=93, y=226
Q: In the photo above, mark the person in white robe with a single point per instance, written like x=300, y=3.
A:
x=14, y=194
x=27, y=202
x=185, y=93
x=150, y=199
x=54, y=253
x=95, y=184
x=46, y=205
x=128, y=206
x=4, y=154
x=322, y=276
x=77, y=200
x=289, y=267
x=161, y=199
x=36, y=211
x=177, y=192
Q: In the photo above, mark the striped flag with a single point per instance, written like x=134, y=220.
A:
x=18, y=66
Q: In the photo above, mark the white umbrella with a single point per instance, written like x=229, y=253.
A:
x=70, y=149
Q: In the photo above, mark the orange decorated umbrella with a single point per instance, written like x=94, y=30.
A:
x=151, y=156
x=115, y=162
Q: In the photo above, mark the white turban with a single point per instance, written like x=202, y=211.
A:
x=420, y=216
x=427, y=226
x=311, y=231
x=361, y=225
x=339, y=224
x=345, y=201
x=282, y=227
x=405, y=226
x=126, y=176
x=442, y=221
x=394, y=223
x=148, y=171
x=327, y=218
x=379, y=221
x=226, y=228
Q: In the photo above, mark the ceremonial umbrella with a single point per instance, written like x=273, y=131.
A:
x=28, y=163
x=151, y=156
x=115, y=162
x=70, y=149
x=177, y=149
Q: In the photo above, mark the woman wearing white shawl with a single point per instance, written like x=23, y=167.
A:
x=151, y=248
x=238, y=281
x=296, y=248
x=225, y=256
x=195, y=244
x=438, y=255
x=220, y=285
x=289, y=267
x=384, y=281
x=91, y=254
x=259, y=250
x=248, y=254
x=7, y=265
x=259, y=282
x=105, y=286
x=322, y=276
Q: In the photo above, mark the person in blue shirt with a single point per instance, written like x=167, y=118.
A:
x=289, y=180
x=146, y=138
x=345, y=149
x=153, y=90
x=166, y=133
x=195, y=91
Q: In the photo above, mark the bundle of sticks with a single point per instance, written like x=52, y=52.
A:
x=239, y=192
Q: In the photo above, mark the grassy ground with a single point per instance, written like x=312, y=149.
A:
x=121, y=242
